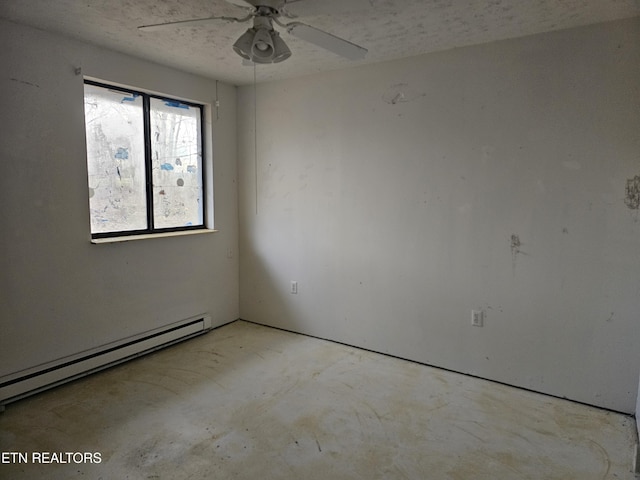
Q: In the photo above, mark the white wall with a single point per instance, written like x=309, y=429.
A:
x=59, y=294
x=391, y=193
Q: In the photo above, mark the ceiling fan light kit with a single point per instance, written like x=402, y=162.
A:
x=282, y=51
x=243, y=45
x=262, y=43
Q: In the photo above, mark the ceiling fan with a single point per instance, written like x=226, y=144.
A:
x=262, y=43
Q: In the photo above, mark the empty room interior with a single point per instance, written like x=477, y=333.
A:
x=409, y=247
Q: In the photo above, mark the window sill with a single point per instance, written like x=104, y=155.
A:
x=129, y=238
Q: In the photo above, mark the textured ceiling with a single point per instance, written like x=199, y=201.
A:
x=389, y=29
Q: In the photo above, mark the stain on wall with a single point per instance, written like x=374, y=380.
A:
x=401, y=93
x=632, y=193
x=515, y=245
x=515, y=251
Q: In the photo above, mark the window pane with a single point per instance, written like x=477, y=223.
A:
x=115, y=160
x=176, y=159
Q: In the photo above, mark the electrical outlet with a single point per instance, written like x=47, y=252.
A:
x=294, y=287
x=477, y=318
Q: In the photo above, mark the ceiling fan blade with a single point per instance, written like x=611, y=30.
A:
x=193, y=22
x=327, y=41
x=300, y=8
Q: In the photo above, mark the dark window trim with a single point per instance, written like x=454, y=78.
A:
x=146, y=108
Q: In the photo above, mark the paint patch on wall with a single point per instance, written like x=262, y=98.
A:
x=571, y=165
x=632, y=193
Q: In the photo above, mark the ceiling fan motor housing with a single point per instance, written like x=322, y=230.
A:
x=273, y=5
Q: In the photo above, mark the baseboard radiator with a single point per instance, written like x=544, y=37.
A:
x=33, y=380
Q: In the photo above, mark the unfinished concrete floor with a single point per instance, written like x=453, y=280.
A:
x=251, y=402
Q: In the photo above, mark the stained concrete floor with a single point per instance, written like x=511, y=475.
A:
x=251, y=402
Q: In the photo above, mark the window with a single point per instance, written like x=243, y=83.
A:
x=145, y=162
